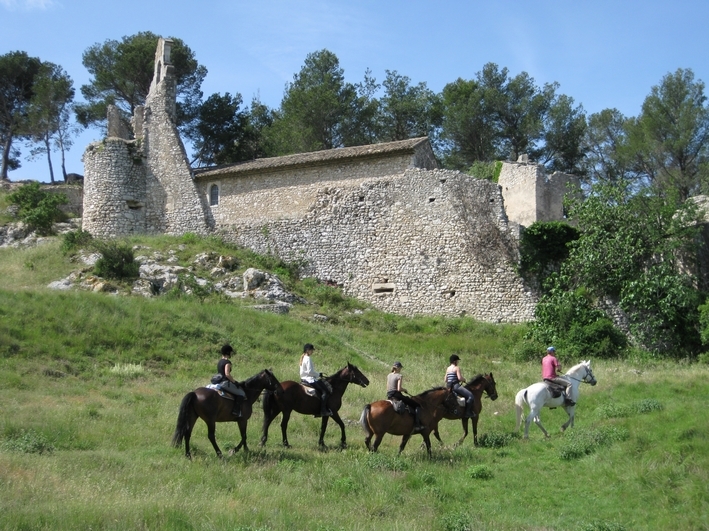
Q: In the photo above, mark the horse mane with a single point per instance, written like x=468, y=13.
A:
x=476, y=379
x=246, y=382
x=431, y=390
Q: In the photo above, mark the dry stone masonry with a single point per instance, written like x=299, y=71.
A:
x=381, y=221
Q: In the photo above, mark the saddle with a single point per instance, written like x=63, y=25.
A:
x=399, y=406
x=311, y=391
x=461, y=402
x=555, y=389
x=220, y=391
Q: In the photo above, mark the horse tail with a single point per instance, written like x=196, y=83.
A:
x=183, y=421
x=520, y=400
x=364, y=420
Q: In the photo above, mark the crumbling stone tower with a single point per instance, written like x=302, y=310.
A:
x=140, y=181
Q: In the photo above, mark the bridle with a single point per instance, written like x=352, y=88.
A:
x=589, y=372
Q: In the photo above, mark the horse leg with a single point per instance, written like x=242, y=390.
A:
x=377, y=442
x=242, y=431
x=211, y=426
x=323, y=427
x=538, y=422
x=284, y=428
x=464, y=422
x=343, y=437
x=570, y=422
x=475, y=430
x=406, y=438
x=427, y=440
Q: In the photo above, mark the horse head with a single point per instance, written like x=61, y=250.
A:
x=582, y=373
x=589, y=378
x=270, y=382
x=351, y=374
x=490, y=387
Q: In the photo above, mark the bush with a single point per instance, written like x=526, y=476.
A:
x=480, y=472
x=599, y=339
x=38, y=209
x=496, y=439
x=545, y=243
x=117, y=260
x=584, y=442
x=28, y=442
x=75, y=240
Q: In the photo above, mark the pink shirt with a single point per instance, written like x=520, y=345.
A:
x=549, y=366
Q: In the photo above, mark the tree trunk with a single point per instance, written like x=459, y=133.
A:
x=5, y=156
x=49, y=157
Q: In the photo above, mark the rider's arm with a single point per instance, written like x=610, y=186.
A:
x=398, y=386
x=460, y=376
x=227, y=373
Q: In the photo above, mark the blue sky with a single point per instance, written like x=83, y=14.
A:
x=602, y=53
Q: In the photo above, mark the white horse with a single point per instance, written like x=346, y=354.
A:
x=537, y=396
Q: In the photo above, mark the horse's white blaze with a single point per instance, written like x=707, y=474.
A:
x=537, y=396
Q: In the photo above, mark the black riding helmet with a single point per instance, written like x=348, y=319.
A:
x=454, y=358
x=227, y=350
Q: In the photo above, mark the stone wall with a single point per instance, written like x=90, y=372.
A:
x=532, y=196
x=114, y=188
x=288, y=192
x=421, y=242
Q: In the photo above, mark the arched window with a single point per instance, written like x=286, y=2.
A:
x=213, y=195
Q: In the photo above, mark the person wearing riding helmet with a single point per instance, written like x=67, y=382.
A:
x=549, y=367
x=309, y=376
x=395, y=391
x=228, y=383
x=453, y=380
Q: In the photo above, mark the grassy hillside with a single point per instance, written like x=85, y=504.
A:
x=90, y=385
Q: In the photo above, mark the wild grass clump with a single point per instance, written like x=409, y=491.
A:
x=496, y=439
x=27, y=442
x=480, y=472
x=603, y=526
x=457, y=521
x=584, y=442
x=129, y=370
x=612, y=410
x=381, y=461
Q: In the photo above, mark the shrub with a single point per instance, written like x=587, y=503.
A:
x=480, y=472
x=117, y=260
x=38, y=209
x=496, y=439
x=28, y=442
x=74, y=240
x=457, y=521
x=584, y=442
x=543, y=244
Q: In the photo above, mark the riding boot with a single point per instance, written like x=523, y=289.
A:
x=324, y=411
x=567, y=398
x=418, y=427
x=469, y=413
x=236, y=410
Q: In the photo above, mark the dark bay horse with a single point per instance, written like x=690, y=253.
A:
x=208, y=405
x=294, y=398
x=379, y=418
x=479, y=384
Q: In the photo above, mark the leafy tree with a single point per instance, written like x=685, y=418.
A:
x=314, y=107
x=633, y=249
x=38, y=209
x=17, y=75
x=669, y=141
x=123, y=71
x=468, y=132
x=606, y=148
x=219, y=132
x=49, y=113
x=497, y=116
x=362, y=124
x=407, y=111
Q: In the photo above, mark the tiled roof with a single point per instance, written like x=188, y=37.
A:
x=313, y=157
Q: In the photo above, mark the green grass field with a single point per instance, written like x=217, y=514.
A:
x=90, y=386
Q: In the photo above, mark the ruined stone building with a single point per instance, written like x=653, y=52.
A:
x=382, y=221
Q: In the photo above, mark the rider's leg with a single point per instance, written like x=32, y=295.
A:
x=324, y=396
x=462, y=391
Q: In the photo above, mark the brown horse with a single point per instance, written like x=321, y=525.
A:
x=208, y=405
x=479, y=384
x=294, y=398
x=379, y=418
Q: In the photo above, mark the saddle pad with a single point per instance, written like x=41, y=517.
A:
x=309, y=390
x=215, y=387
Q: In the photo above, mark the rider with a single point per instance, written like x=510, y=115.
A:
x=311, y=377
x=394, y=391
x=228, y=383
x=453, y=380
x=549, y=367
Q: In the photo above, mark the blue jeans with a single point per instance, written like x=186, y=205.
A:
x=462, y=391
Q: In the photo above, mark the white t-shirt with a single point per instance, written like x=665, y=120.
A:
x=307, y=371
